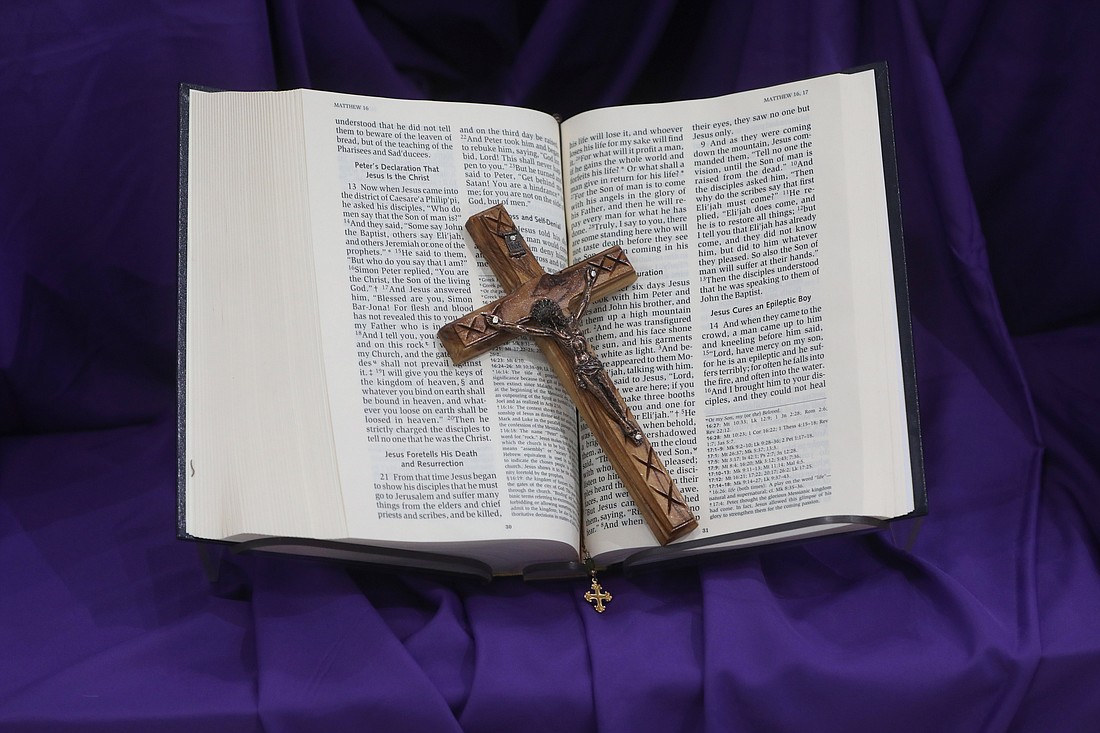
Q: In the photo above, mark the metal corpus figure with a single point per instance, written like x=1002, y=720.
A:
x=588, y=370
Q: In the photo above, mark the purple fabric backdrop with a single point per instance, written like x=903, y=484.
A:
x=988, y=622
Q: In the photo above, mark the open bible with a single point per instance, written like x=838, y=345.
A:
x=765, y=347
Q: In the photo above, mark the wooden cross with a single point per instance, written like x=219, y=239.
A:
x=548, y=306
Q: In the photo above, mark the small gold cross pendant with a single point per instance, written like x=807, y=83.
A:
x=598, y=597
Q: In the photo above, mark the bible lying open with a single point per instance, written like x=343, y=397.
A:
x=764, y=348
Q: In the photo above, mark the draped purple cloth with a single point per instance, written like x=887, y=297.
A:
x=987, y=622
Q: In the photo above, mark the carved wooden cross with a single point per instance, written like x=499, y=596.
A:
x=548, y=306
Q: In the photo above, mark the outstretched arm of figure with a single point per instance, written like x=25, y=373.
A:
x=589, y=280
x=497, y=322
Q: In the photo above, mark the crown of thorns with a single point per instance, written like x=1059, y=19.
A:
x=548, y=313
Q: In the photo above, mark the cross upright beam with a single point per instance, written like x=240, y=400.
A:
x=548, y=307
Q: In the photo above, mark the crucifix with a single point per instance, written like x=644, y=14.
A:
x=548, y=307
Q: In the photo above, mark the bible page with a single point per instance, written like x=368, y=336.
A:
x=431, y=452
x=759, y=347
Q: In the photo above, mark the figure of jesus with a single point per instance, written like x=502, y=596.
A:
x=588, y=371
